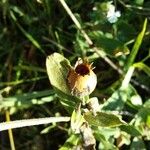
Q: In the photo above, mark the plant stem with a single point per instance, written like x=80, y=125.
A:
x=31, y=122
x=11, y=139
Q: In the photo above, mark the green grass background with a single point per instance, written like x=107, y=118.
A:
x=32, y=30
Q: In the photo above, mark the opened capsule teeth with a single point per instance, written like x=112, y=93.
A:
x=82, y=80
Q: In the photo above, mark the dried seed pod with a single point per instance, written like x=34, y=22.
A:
x=81, y=79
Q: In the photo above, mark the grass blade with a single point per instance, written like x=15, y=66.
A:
x=27, y=35
x=136, y=46
x=143, y=67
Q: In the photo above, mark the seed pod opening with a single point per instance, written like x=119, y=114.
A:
x=82, y=69
x=82, y=80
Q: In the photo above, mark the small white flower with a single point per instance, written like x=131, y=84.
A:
x=112, y=15
x=94, y=8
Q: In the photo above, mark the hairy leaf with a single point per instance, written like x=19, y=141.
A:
x=103, y=119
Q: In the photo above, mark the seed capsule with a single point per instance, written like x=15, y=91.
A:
x=81, y=79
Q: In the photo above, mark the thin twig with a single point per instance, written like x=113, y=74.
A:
x=101, y=53
x=31, y=122
x=133, y=7
x=56, y=44
x=140, y=10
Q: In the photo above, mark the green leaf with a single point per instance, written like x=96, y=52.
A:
x=103, y=119
x=76, y=120
x=136, y=46
x=105, y=143
x=137, y=143
x=27, y=100
x=143, y=67
x=119, y=97
x=141, y=120
x=121, y=50
x=71, y=142
x=110, y=45
x=116, y=101
x=126, y=31
x=130, y=130
x=57, y=69
x=141, y=116
x=147, y=103
x=108, y=132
